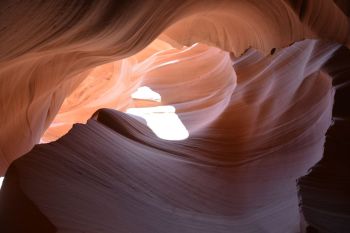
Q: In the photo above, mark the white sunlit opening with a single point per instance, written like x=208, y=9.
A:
x=1, y=180
x=162, y=120
x=146, y=93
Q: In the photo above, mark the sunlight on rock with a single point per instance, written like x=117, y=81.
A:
x=42, y=141
x=146, y=93
x=163, y=121
x=1, y=180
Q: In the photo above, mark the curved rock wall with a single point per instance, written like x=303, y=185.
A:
x=48, y=47
x=256, y=102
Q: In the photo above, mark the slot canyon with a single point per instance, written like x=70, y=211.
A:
x=175, y=116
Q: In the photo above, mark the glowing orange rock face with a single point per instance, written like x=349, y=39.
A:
x=193, y=79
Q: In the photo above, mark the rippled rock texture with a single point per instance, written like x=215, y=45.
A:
x=174, y=116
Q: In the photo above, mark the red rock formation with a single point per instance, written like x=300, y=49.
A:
x=324, y=191
x=257, y=108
